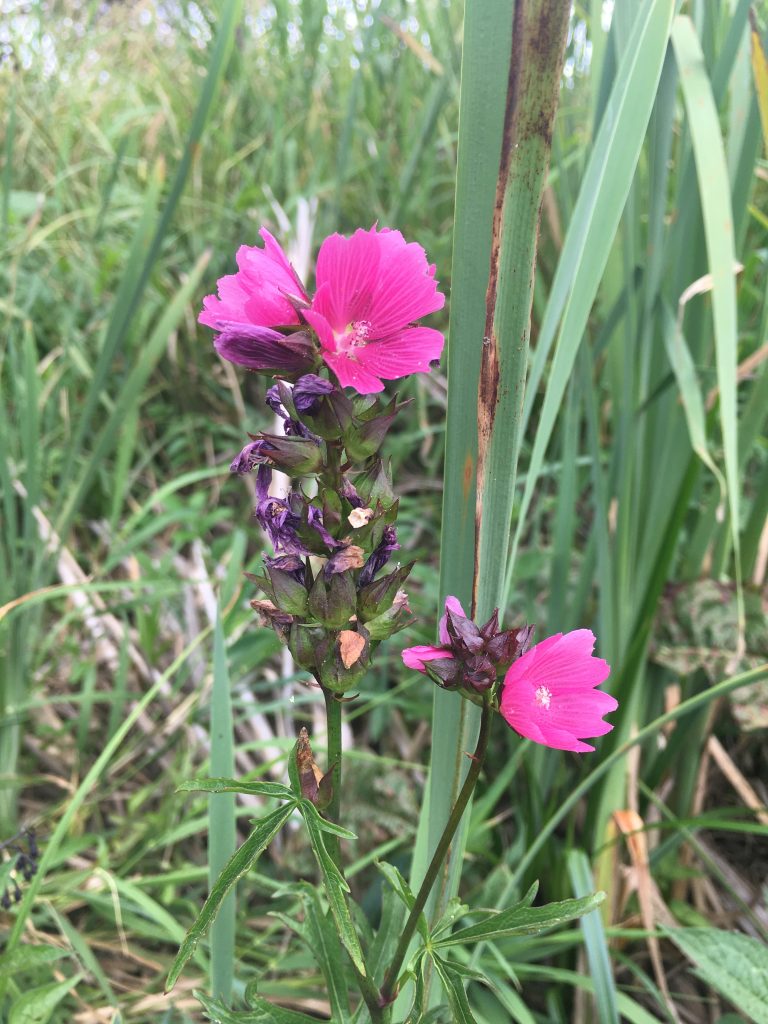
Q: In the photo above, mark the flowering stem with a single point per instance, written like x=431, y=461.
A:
x=333, y=727
x=388, y=990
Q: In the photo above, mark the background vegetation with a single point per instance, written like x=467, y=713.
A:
x=142, y=144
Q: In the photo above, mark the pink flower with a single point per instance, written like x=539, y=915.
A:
x=549, y=694
x=415, y=657
x=370, y=289
x=263, y=294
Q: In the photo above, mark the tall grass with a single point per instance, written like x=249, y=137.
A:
x=132, y=169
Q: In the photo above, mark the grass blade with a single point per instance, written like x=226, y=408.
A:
x=222, y=833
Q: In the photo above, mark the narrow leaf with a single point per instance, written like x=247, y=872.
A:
x=453, y=983
x=523, y=921
x=222, y=785
x=404, y=891
x=263, y=834
x=335, y=888
x=222, y=831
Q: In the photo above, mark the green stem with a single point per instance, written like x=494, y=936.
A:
x=365, y=983
x=388, y=990
x=332, y=811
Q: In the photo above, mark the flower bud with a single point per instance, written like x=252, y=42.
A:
x=347, y=661
x=392, y=620
x=297, y=456
x=376, y=485
x=333, y=599
x=377, y=597
x=308, y=644
x=290, y=594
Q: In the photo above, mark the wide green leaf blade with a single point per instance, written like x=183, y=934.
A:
x=602, y=197
x=734, y=964
x=243, y=859
x=520, y=920
x=715, y=192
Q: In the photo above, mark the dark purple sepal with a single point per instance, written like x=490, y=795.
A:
x=446, y=672
x=466, y=638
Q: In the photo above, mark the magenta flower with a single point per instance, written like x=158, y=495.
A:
x=415, y=657
x=370, y=289
x=550, y=694
x=265, y=293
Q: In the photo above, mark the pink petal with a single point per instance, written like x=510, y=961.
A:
x=549, y=693
x=377, y=277
x=452, y=604
x=414, y=657
x=351, y=374
x=256, y=294
x=406, y=289
x=346, y=276
x=410, y=351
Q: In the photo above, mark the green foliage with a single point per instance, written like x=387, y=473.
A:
x=734, y=964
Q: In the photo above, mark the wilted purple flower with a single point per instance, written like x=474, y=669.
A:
x=291, y=564
x=309, y=391
x=254, y=454
x=348, y=492
x=380, y=555
x=315, y=520
x=277, y=518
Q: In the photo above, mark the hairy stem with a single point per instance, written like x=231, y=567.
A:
x=390, y=980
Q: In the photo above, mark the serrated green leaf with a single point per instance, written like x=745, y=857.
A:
x=275, y=789
x=521, y=920
x=36, y=1005
x=404, y=891
x=453, y=984
x=734, y=964
x=242, y=860
x=336, y=889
